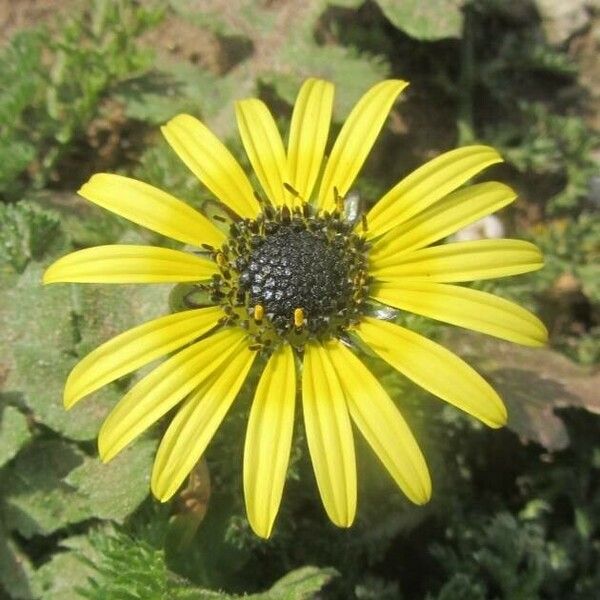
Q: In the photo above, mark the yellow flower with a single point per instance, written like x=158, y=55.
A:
x=294, y=284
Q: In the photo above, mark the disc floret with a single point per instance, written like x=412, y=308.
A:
x=291, y=275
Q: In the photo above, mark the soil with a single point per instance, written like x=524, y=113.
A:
x=177, y=39
x=585, y=51
x=20, y=14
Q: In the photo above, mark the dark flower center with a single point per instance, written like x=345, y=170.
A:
x=290, y=275
x=294, y=268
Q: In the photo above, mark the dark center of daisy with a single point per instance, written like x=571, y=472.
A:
x=294, y=268
x=291, y=275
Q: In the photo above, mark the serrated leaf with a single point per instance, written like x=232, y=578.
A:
x=299, y=584
x=41, y=376
x=114, y=490
x=47, y=328
x=66, y=572
x=51, y=484
x=38, y=501
x=84, y=223
x=33, y=314
x=14, y=432
x=126, y=568
x=36, y=353
x=431, y=20
x=172, y=89
x=19, y=62
x=15, y=156
x=26, y=231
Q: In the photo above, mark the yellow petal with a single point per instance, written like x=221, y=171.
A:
x=152, y=208
x=464, y=307
x=309, y=131
x=434, y=368
x=329, y=435
x=442, y=219
x=134, y=348
x=269, y=440
x=129, y=264
x=264, y=148
x=196, y=422
x=382, y=425
x=356, y=139
x=461, y=261
x=165, y=387
x=210, y=161
x=428, y=184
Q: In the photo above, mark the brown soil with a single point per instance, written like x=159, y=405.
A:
x=585, y=50
x=177, y=39
x=19, y=14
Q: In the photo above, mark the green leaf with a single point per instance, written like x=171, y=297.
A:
x=171, y=89
x=26, y=232
x=55, y=85
x=127, y=568
x=19, y=64
x=32, y=314
x=15, y=155
x=37, y=352
x=66, y=572
x=14, y=432
x=300, y=584
x=16, y=569
x=130, y=568
x=347, y=3
x=114, y=490
x=41, y=377
x=48, y=328
x=51, y=484
x=86, y=224
x=351, y=73
x=38, y=501
x=431, y=20
x=590, y=280
x=104, y=311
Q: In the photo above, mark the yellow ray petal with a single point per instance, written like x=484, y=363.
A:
x=264, y=148
x=309, y=131
x=164, y=387
x=129, y=264
x=442, y=219
x=196, y=422
x=134, y=348
x=152, y=208
x=428, y=184
x=356, y=139
x=329, y=435
x=464, y=307
x=381, y=423
x=434, y=368
x=269, y=440
x=461, y=261
x=212, y=163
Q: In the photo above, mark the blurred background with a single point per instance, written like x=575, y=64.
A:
x=84, y=87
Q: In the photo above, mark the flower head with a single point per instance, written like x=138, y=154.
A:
x=293, y=285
